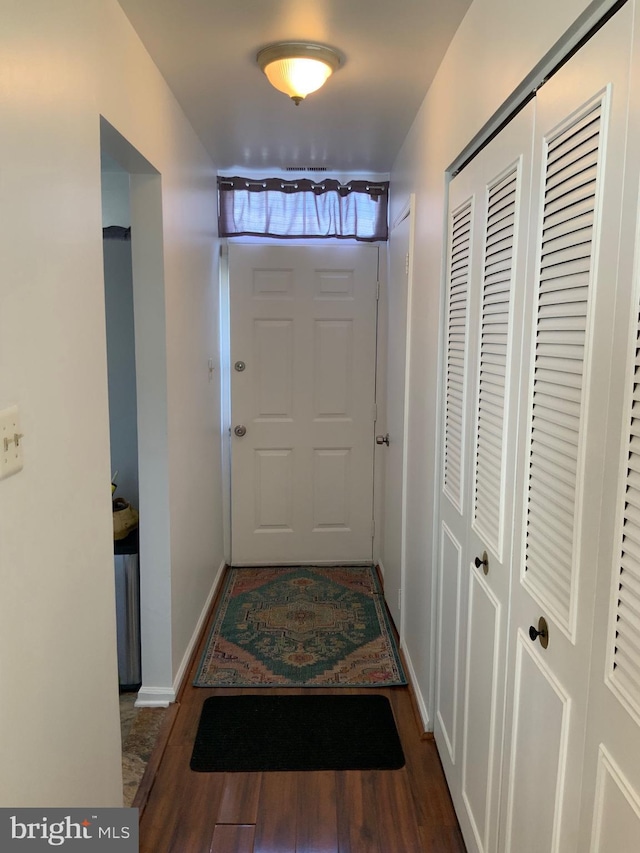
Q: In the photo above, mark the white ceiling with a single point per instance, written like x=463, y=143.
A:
x=206, y=51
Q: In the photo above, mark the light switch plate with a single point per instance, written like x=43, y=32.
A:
x=11, y=460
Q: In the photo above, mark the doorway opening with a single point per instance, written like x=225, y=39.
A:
x=123, y=412
x=138, y=398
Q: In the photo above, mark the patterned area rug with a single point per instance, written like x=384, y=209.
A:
x=301, y=627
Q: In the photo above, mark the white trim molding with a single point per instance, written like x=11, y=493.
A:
x=155, y=697
x=427, y=725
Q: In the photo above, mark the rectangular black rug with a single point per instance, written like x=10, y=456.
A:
x=312, y=732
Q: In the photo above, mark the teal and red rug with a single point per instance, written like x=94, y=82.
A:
x=301, y=627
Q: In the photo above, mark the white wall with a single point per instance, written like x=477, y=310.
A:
x=123, y=426
x=121, y=361
x=62, y=65
x=116, y=209
x=497, y=45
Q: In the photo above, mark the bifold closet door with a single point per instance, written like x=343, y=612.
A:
x=610, y=818
x=571, y=288
x=488, y=205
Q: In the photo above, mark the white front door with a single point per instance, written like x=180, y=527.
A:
x=303, y=354
x=578, y=177
x=394, y=453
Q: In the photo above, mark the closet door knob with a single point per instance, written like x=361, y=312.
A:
x=541, y=633
x=240, y=430
x=484, y=562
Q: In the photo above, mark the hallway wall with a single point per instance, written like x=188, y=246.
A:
x=62, y=65
x=497, y=45
x=123, y=431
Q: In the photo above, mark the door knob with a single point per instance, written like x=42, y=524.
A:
x=240, y=430
x=383, y=439
x=484, y=562
x=542, y=632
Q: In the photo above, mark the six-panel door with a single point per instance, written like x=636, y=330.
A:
x=303, y=324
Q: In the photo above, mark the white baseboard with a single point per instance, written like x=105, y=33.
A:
x=422, y=705
x=155, y=697
x=193, y=642
x=162, y=697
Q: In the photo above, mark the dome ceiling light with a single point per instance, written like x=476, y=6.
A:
x=298, y=68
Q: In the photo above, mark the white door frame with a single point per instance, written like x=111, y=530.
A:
x=225, y=393
x=407, y=211
x=151, y=379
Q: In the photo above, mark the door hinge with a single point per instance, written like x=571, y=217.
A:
x=400, y=599
x=377, y=291
x=373, y=528
x=374, y=412
x=406, y=266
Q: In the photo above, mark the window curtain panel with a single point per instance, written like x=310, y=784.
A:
x=303, y=208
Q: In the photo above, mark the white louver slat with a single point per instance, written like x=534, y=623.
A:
x=561, y=323
x=494, y=342
x=625, y=642
x=457, y=302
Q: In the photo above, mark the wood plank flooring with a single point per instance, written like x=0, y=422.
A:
x=392, y=811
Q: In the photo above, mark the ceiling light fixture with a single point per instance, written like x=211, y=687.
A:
x=298, y=68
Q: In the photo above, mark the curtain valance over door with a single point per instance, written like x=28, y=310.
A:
x=273, y=207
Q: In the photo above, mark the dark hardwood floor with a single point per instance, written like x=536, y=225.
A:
x=392, y=811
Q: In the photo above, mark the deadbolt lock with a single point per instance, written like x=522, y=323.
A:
x=240, y=366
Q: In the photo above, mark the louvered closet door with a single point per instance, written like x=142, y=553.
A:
x=498, y=324
x=474, y=604
x=578, y=165
x=463, y=248
x=611, y=793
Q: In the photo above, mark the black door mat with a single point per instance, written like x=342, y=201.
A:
x=316, y=732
